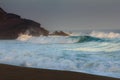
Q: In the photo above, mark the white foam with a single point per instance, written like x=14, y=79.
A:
x=55, y=56
x=105, y=35
x=24, y=37
x=47, y=39
x=102, y=47
x=89, y=49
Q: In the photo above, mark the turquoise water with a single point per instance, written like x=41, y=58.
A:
x=87, y=54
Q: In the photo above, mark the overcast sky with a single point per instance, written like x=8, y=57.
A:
x=68, y=14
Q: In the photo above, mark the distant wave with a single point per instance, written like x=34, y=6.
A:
x=105, y=35
x=57, y=39
x=93, y=36
x=50, y=39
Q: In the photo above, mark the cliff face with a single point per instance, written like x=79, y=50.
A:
x=11, y=25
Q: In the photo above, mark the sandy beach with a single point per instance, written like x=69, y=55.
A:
x=8, y=72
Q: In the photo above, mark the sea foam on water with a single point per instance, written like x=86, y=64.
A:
x=105, y=35
x=76, y=53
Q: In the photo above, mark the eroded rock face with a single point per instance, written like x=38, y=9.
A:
x=11, y=25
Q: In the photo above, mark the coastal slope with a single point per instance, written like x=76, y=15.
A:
x=8, y=72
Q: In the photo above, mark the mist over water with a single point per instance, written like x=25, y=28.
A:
x=95, y=53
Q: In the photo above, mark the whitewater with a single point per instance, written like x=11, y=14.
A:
x=95, y=53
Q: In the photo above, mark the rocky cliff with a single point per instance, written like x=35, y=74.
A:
x=11, y=25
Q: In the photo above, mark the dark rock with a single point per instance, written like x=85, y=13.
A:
x=11, y=15
x=2, y=12
x=60, y=33
x=11, y=25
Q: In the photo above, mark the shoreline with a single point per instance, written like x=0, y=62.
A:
x=10, y=72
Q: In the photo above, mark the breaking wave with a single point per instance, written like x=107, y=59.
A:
x=90, y=53
x=57, y=39
x=105, y=35
x=93, y=36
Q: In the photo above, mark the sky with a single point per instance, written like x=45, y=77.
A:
x=68, y=14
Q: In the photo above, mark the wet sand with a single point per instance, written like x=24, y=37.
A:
x=8, y=72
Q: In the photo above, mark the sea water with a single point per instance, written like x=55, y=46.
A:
x=96, y=53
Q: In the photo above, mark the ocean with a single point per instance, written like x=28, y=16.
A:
x=95, y=53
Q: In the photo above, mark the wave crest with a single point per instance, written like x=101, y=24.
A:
x=93, y=36
x=105, y=35
x=57, y=39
